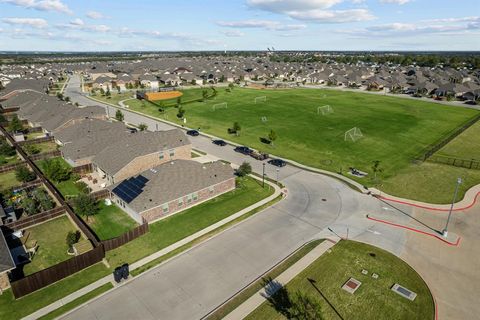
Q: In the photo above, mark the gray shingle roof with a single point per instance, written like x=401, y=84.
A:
x=6, y=261
x=121, y=152
x=178, y=178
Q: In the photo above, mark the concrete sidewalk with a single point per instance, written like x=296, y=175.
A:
x=57, y=304
x=249, y=305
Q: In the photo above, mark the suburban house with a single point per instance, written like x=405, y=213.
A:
x=138, y=152
x=171, y=187
x=80, y=142
x=6, y=263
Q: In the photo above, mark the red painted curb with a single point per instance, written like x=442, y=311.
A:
x=416, y=230
x=427, y=207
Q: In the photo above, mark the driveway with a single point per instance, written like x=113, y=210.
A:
x=195, y=282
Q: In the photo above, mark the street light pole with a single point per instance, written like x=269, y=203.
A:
x=445, y=231
x=278, y=171
x=263, y=175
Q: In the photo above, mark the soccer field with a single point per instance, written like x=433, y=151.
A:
x=395, y=131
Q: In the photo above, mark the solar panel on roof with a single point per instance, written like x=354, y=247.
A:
x=142, y=179
x=130, y=188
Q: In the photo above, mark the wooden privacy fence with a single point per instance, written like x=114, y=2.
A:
x=27, y=185
x=11, y=167
x=126, y=237
x=456, y=162
x=57, y=272
x=36, y=219
x=84, y=169
x=46, y=155
x=101, y=194
x=35, y=141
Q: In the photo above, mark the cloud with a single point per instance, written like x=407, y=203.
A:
x=95, y=15
x=400, y=2
x=233, y=33
x=261, y=24
x=31, y=22
x=42, y=5
x=398, y=29
x=319, y=11
x=77, y=22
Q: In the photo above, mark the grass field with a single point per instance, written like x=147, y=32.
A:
x=170, y=230
x=110, y=221
x=52, y=248
x=373, y=300
x=465, y=146
x=395, y=130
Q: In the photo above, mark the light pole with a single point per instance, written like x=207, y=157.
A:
x=445, y=230
x=278, y=171
x=263, y=175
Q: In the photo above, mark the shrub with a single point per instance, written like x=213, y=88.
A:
x=23, y=174
x=85, y=205
x=244, y=169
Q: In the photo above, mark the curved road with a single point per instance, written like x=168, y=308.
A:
x=195, y=282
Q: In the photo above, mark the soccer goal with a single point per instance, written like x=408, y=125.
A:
x=353, y=134
x=325, y=110
x=217, y=106
x=260, y=99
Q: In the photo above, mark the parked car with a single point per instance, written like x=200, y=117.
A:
x=471, y=102
x=259, y=155
x=193, y=133
x=219, y=142
x=244, y=150
x=277, y=162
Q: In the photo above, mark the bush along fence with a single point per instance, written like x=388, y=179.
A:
x=456, y=162
x=434, y=148
x=66, y=268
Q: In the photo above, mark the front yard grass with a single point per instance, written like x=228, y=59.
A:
x=373, y=299
x=110, y=221
x=11, y=308
x=172, y=229
x=52, y=248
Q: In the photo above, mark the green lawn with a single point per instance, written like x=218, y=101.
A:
x=47, y=146
x=115, y=97
x=373, y=300
x=465, y=146
x=395, y=130
x=11, y=308
x=8, y=180
x=77, y=302
x=110, y=221
x=52, y=248
x=170, y=230
x=67, y=188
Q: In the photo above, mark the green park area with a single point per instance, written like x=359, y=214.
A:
x=320, y=286
x=394, y=131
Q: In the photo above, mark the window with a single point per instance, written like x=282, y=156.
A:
x=195, y=196
x=180, y=202
x=161, y=155
x=165, y=208
x=189, y=198
x=171, y=152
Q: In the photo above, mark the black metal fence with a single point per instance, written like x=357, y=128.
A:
x=456, y=162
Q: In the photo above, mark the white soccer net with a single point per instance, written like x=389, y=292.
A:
x=260, y=99
x=217, y=106
x=325, y=110
x=353, y=134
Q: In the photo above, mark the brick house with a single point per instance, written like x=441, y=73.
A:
x=171, y=187
x=141, y=151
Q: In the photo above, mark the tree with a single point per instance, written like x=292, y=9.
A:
x=67, y=99
x=29, y=205
x=179, y=101
x=85, y=205
x=272, y=136
x=60, y=96
x=119, y=115
x=72, y=238
x=376, y=168
x=231, y=86
x=23, y=174
x=236, y=128
x=55, y=170
x=43, y=199
x=6, y=150
x=244, y=169
x=108, y=93
x=15, y=124
x=181, y=113
x=82, y=187
x=142, y=126
x=102, y=91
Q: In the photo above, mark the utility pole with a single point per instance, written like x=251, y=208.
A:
x=445, y=231
x=263, y=175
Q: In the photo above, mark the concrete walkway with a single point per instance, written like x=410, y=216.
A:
x=57, y=304
x=249, y=305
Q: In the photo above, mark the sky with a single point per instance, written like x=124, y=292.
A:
x=144, y=25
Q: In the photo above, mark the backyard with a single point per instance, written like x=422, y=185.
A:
x=372, y=300
x=110, y=221
x=50, y=238
x=8, y=181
